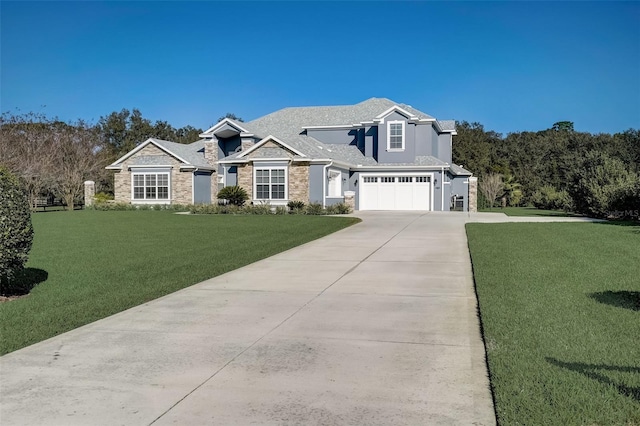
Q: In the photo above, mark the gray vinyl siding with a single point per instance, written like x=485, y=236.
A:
x=232, y=176
x=202, y=187
x=316, y=173
x=444, y=147
x=227, y=146
x=424, y=139
x=459, y=187
x=409, y=153
x=335, y=136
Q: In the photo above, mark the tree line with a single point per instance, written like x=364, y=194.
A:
x=556, y=168
x=53, y=158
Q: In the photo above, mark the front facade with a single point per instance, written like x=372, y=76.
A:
x=375, y=155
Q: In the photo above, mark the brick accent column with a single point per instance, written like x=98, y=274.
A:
x=247, y=143
x=211, y=157
x=245, y=179
x=350, y=199
x=89, y=192
x=299, y=182
x=473, y=194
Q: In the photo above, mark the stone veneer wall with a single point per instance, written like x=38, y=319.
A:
x=211, y=157
x=299, y=182
x=245, y=178
x=473, y=194
x=181, y=182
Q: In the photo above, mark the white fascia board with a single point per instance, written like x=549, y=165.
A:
x=210, y=130
x=396, y=108
x=329, y=160
x=267, y=139
x=338, y=126
x=152, y=166
x=192, y=167
x=270, y=160
x=246, y=135
x=234, y=161
x=113, y=167
x=374, y=168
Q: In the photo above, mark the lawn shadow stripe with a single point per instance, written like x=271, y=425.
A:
x=589, y=370
x=621, y=299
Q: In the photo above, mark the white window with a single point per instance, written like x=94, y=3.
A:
x=270, y=184
x=395, y=135
x=387, y=179
x=370, y=179
x=150, y=186
x=335, y=183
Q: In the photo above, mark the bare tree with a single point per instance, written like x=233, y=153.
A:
x=77, y=157
x=51, y=156
x=27, y=150
x=491, y=185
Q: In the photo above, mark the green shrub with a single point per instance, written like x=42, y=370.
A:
x=343, y=208
x=257, y=209
x=235, y=194
x=314, y=209
x=295, y=206
x=548, y=198
x=102, y=197
x=603, y=185
x=281, y=210
x=16, y=231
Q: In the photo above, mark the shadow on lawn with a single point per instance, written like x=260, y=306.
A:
x=621, y=299
x=23, y=282
x=633, y=225
x=589, y=370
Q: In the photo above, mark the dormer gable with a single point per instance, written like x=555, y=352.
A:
x=271, y=142
x=225, y=128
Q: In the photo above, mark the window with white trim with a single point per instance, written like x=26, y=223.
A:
x=150, y=186
x=395, y=135
x=270, y=183
x=335, y=183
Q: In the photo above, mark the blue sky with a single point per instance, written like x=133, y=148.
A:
x=511, y=66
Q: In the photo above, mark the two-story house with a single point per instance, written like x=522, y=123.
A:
x=378, y=155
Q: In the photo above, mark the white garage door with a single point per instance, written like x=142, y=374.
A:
x=395, y=192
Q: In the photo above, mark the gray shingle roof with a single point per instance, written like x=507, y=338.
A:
x=421, y=160
x=447, y=124
x=459, y=171
x=288, y=124
x=192, y=153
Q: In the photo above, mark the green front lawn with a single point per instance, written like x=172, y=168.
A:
x=99, y=263
x=560, y=308
x=528, y=211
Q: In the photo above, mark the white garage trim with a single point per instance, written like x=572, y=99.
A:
x=393, y=191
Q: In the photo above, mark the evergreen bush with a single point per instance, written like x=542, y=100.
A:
x=16, y=231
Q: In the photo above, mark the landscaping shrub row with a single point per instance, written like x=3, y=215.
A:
x=293, y=207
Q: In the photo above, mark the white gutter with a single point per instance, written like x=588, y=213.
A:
x=324, y=183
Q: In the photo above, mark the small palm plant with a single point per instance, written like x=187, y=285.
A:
x=512, y=190
x=236, y=195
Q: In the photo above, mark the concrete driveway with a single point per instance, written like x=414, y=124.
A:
x=375, y=324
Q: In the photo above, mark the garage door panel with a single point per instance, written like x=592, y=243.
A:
x=389, y=192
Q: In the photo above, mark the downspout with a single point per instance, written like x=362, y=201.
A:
x=325, y=183
x=442, y=189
